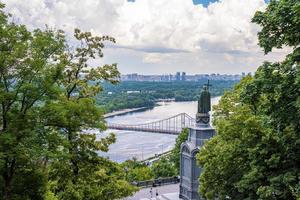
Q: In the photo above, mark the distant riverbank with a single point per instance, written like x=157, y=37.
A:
x=146, y=94
x=124, y=111
x=130, y=110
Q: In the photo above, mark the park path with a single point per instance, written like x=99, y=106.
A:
x=166, y=192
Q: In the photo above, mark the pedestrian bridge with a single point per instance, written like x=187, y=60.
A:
x=172, y=125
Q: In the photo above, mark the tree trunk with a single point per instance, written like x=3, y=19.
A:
x=7, y=189
x=4, y=119
x=75, y=168
x=8, y=176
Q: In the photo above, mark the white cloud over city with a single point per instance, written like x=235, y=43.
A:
x=159, y=36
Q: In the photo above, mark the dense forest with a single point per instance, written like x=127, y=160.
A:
x=145, y=94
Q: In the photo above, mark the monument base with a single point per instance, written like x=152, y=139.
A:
x=189, y=171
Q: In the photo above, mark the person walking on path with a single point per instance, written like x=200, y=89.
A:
x=151, y=192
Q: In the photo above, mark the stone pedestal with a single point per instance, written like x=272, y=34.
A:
x=189, y=171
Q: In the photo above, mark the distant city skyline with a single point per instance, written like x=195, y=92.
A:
x=156, y=37
x=174, y=73
x=180, y=76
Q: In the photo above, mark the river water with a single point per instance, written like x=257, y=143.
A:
x=142, y=145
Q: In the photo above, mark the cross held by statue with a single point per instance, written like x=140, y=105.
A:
x=207, y=85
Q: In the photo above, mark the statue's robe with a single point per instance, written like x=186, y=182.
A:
x=204, y=102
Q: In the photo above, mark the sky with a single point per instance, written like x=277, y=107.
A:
x=159, y=36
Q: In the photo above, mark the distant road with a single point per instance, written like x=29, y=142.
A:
x=122, y=112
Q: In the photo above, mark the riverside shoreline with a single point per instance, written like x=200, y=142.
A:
x=130, y=110
x=122, y=112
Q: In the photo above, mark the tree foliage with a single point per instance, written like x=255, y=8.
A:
x=256, y=152
x=137, y=171
x=47, y=104
x=163, y=168
x=280, y=24
x=175, y=154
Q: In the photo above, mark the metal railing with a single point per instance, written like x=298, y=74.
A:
x=157, y=182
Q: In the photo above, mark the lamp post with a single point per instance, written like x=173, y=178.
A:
x=162, y=148
x=126, y=172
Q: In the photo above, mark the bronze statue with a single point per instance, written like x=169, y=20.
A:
x=204, y=101
x=204, y=105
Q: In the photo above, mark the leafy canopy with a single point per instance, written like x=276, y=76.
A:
x=175, y=153
x=47, y=106
x=256, y=152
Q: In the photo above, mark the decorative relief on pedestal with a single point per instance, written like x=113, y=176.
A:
x=202, y=118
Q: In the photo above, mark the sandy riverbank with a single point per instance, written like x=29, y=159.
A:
x=122, y=112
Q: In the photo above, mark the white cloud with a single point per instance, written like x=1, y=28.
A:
x=165, y=28
x=155, y=57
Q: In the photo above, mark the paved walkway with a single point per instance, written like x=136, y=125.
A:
x=166, y=192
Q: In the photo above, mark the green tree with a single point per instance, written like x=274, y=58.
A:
x=225, y=158
x=27, y=79
x=175, y=154
x=163, y=168
x=280, y=25
x=90, y=177
x=256, y=152
x=137, y=171
x=142, y=173
x=47, y=108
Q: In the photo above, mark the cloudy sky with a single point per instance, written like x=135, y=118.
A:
x=159, y=36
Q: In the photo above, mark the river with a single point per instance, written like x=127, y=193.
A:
x=142, y=145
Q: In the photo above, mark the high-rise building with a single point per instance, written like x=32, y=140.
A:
x=177, y=76
x=183, y=76
x=133, y=77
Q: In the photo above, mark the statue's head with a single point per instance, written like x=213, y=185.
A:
x=205, y=88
